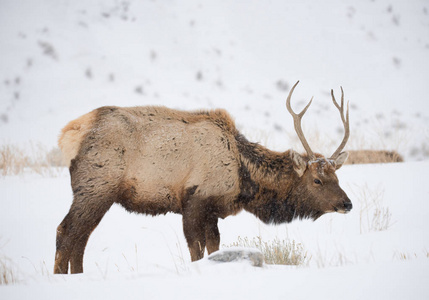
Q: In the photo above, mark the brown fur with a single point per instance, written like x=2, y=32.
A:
x=154, y=160
x=373, y=157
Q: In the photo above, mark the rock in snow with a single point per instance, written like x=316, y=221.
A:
x=254, y=256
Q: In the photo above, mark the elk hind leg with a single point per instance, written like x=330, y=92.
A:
x=88, y=221
x=76, y=259
x=63, y=246
x=73, y=235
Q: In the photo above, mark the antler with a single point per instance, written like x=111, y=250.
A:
x=345, y=123
x=297, y=122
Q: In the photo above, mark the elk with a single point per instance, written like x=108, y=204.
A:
x=154, y=160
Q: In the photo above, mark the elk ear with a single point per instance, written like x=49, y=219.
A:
x=299, y=164
x=341, y=159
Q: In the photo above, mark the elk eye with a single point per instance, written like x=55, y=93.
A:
x=317, y=181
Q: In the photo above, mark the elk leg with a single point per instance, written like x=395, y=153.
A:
x=88, y=222
x=76, y=259
x=195, y=237
x=63, y=251
x=194, y=230
x=73, y=234
x=212, y=235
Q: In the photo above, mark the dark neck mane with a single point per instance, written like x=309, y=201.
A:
x=268, y=185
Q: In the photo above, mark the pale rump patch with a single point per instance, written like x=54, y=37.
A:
x=72, y=134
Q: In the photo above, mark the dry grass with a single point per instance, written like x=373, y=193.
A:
x=15, y=160
x=276, y=252
x=7, y=275
x=399, y=255
x=373, y=215
x=405, y=256
x=337, y=259
x=12, y=160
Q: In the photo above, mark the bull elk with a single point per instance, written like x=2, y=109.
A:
x=154, y=160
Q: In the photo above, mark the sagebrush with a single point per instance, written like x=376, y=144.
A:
x=276, y=252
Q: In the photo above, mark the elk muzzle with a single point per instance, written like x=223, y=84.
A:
x=346, y=206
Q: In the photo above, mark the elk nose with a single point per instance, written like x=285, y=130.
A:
x=348, y=205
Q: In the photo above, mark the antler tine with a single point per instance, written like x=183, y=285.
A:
x=297, y=122
x=345, y=121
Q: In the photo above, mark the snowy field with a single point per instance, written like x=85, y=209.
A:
x=354, y=256
x=60, y=59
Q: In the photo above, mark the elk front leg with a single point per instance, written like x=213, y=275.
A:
x=194, y=230
x=212, y=234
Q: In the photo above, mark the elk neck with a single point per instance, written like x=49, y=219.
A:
x=269, y=186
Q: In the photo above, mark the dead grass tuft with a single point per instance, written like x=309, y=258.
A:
x=335, y=259
x=276, y=252
x=408, y=256
x=15, y=160
x=12, y=160
x=7, y=275
x=405, y=256
x=374, y=216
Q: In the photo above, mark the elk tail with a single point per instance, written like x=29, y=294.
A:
x=72, y=135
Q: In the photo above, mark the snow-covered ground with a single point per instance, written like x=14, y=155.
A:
x=137, y=256
x=60, y=59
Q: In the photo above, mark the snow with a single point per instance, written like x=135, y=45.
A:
x=131, y=255
x=60, y=59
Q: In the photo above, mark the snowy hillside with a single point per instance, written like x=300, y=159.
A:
x=60, y=59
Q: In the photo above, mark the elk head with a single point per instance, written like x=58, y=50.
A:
x=318, y=183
